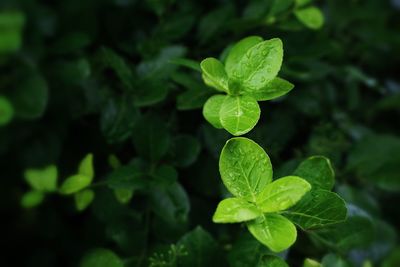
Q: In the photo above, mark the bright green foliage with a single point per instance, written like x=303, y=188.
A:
x=74, y=184
x=282, y=194
x=86, y=166
x=311, y=17
x=101, y=257
x=274, y=231
x=246, y=171
x=238, y=51
x=82, y=179
x=212, y=109
x=245, y=168
x=272, y=261
x=214, y=74
x=43, y=180
x=32, y=199
x=83, y=199
x=239, y=114
x=275, y=88
x=249, y=75
x=6, y=111
x=311, y=263
x=233, y=210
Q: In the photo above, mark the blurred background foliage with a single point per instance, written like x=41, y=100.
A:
x=107, y=77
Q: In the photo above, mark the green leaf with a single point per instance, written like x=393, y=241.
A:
x=311, y=263
x=311, y=17
x=238, y=51
x=86, y=166
x=123, y=195
x=214, y=74
x=202, y=249
x=101, y=257
x=212, y=108
x=282, y=194
x=6, y=111
x=274, y=231
x=32, y=199
x=245, y=168
x=83, y=199
x=317, y=209
x=43, y=180
x=239, y=114
x=151, y=138
x=259, y=66
x=75, y=183
x=318, y=171
x=273, y=89
x=233, y=210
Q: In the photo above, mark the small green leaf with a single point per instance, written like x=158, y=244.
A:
x=32, y=199
x=211, y=110
x=43, y=180
x=274, y=231
x=311, y=263
x=126, y=177
x=233, y=210
x=239, y=114
x=317, y=209
x=6, y=111
x=260, y=65
x=245, y=168
x=86, y=166
x=238, y=51
x=214, y=74
x=311, y=17
x=282, y=193
x=101, y=257
x=318, y=171
x=273, y=89
x=123, y=195
x=83, y=199
x=74, y=184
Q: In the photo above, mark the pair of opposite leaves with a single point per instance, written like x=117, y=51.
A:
x=246, y=171
x=249, y=75
x=45, y=181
